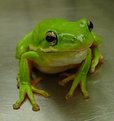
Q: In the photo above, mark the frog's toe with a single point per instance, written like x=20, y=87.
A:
x=84, y=89
x=16, y=106
x=68, y=96
x=47, y=95
x=36, y=81
x=86, y=95
x=41, y=92
x=92, y=70
x=62, y=83
x=67, y=79
x=35, y=107
x=101, y=60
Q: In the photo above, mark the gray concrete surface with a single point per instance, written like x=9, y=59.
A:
x=17, y=17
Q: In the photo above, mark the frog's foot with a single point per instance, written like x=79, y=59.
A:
x=67, y=79
x=27, y=89
x=83, y=90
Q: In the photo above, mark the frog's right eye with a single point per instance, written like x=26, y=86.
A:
x=90, y=26
x=51, y=38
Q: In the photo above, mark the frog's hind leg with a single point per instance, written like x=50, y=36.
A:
x=97, y=59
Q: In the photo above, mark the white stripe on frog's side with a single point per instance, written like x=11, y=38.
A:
x=61, y=62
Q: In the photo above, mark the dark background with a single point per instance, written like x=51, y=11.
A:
x=18, y=17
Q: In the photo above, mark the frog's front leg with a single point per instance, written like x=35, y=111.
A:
x=96, y=59
x=96, y=54
x=25, y=87
x=81, y=77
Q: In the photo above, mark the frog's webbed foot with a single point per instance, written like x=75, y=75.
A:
x=27, y=89
x=81, y=79
x=82, y=85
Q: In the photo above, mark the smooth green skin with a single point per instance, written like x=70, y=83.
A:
x=72, y=37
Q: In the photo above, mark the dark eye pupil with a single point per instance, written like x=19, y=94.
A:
x=90, y=26
x=50, y=38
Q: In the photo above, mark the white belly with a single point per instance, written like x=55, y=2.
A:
x=58, y=62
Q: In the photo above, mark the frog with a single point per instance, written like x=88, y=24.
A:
x=54, y=46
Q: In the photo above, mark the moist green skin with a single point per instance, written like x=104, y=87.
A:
x=75, y=44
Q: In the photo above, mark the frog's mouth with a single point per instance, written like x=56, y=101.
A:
x=54, y=50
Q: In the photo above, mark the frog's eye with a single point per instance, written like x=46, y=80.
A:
x=90, y=26
x=51, y=38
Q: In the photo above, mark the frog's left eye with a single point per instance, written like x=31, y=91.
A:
x=90, y=26
x=51, y=38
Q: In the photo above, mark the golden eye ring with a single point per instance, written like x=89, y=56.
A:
x=51, y=38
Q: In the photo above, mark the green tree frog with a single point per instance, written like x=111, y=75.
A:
x=54, y=46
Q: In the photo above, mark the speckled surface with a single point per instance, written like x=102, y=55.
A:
x=17, y=17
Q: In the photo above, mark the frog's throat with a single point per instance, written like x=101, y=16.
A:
x=58, y=62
